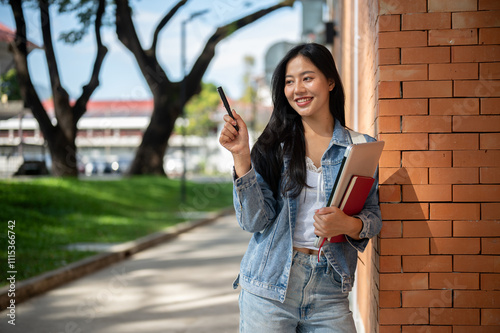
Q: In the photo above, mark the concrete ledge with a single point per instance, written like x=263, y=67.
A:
x=37, y=285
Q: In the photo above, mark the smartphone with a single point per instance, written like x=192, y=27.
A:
x=226, y=105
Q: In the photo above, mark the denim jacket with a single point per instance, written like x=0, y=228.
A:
x=265, y=267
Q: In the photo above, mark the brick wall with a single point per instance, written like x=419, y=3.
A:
x=439, y=113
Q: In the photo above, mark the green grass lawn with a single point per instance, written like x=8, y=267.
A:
x=51, y=213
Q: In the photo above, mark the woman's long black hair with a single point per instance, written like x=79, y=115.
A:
x=284, y=134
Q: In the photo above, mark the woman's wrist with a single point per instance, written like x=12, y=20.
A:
x=242, y=164
x=356, y=227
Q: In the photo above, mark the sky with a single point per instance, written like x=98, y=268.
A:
x=120, y=78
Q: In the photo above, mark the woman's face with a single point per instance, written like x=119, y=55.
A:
x=307, y=89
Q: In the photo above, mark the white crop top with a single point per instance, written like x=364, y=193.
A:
x=310, y=199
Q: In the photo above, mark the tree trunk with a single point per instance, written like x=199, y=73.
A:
x=149, y=155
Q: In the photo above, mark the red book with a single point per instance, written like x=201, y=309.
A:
x=355, y=195
x=354, y=199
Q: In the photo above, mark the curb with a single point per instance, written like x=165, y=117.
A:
x=37, y=285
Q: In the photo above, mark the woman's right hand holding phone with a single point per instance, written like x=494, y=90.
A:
x=237, y=142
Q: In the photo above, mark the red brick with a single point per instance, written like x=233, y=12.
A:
x=390, y=229
x=426, y=329
x=425, y=89
x=489, y=4
x=426, y=193
x=405, y=211
x=390, y=264
x=401, y=6
x=394, y=107
x=490, y=105
x=489, y=71
x=454, y=106
x=409, y=316
x=444, y=316
x=475, y=193
x=489, y=175
x=453, y=141
x=437, y=159
x=390, y=299
x=490, y=317
x=456, y=281
x=427, y=264
x=489, y=140
x=490, y=282
x=475, y=299
x=490, y=211
x=454, y=211
x=390, y=329
x=455, y=245
x=479, y=88
x=389, y=23
x=426, y=229
x=426, y=21
x=388, y=40
x=425, y=55
x=476, y=263
x=389, y=159
x=490, y=245
x=389, y=193
x=453, y=71
x=404, y=246
x=427, y=124
x=389, y=89
x=489, y=36
x=427, y=298
x=389, y=124
x=403, y=281
x=480, y=158
x=453, y=176
x=403, y=176
x=414, y=141
x=478, y=53
x=389, y=56
x=476, y=123
x=476, y=329
x=403, y=72
x=481, y=19
x=476, y=228
x=453, y=37
x=452, y=5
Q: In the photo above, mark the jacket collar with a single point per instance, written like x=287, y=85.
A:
x=340, y=135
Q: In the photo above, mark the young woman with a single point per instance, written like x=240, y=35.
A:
x=280, y=191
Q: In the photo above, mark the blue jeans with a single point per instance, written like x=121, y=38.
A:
x=314, y=302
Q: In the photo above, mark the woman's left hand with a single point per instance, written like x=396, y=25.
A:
x=331, y=221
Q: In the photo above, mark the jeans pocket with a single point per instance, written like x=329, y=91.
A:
x=334, y=276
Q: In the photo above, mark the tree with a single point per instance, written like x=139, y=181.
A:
x=199, y=111
x=9, y=85
x=61, y=136
x=168, y=102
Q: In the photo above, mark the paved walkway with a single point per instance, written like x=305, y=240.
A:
x=184, y=285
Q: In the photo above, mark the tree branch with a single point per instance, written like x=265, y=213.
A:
x=195, y=76
x=81, y=104
x=28, y=92
x=162, y=24
x=58, y=92
x=153, y=73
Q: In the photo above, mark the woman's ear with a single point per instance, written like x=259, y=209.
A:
x=331, y=85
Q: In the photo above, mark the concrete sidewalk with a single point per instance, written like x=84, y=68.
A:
x=184, y=285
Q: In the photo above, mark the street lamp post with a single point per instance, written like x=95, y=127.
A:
x=183, y=98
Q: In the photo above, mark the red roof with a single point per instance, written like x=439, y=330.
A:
x=112, y=108
x=8, y=35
